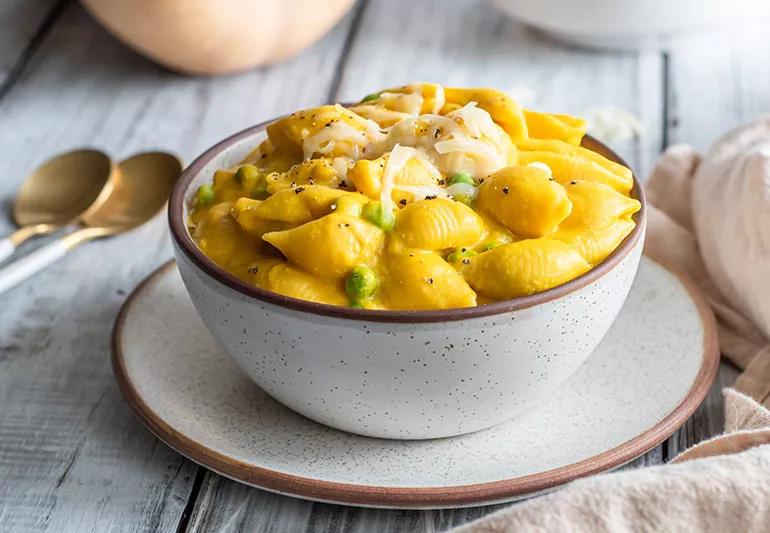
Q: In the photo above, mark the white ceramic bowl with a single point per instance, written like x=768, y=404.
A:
x=630, y=24
x=400, y=374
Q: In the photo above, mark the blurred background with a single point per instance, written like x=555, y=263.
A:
x=65, y=81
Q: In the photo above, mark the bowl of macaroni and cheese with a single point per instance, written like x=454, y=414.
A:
x=427, y=262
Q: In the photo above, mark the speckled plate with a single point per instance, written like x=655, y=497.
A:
x=648, y=375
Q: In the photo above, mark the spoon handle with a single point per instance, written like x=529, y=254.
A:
x=31, y=264
x=6, y=248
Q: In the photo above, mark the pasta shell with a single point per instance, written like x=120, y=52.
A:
x=525, y=200
x=278, y=276
x=297, y=206
x=221, y=238
x=437, y=224
x=551, y=126
x=423, y=280
x=523, y=267
x=268, y=159
x=560, y=147
x=596, y=245
x=347, y=130
x=399, y=103
x=367, y=175
x=499, y=105
x=329, y=246
x=245, y=212
x=229, y=190
x=566, y=168
x=432, y=96
x=312, y=171
x=494, y=232
x=596, y=206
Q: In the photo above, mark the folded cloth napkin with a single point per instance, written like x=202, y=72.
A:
x=710, y=217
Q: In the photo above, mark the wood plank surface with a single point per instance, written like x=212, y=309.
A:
x=72, y=455
x=23, y=24
x=225, y=505
x=716, y=81
x=708, y=420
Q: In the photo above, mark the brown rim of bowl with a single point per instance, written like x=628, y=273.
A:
x=423, y=497
x=186, y=244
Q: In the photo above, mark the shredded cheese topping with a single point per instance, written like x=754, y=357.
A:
x=349, y=140
x=340, y=165
x=464, y=140
x=439, y=99
x=399, y=156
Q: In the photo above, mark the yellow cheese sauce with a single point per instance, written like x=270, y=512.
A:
x=417, y=197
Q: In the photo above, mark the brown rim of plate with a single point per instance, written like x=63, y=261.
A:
x=185, y=243
x=421, y=497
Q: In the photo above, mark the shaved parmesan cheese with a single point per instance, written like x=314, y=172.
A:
x=469, y=119
x=471, y=146
x=396, y=161
x=341, y=167
x=419, y=132
x=428, y=164
x=439, y=100
x=371, y=127
x=410, y=103
x=347, y=139
x=326, y=139
x=612, y=124
x=480, y=124
x=466, y=139
x=381, y=115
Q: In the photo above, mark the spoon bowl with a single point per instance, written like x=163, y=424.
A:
x=139, y=191
x=63, y=188
x=60, y=192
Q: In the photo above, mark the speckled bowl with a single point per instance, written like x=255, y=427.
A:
x=400, y=374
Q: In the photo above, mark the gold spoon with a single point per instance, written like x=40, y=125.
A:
x=140, y=191
x=58, y=193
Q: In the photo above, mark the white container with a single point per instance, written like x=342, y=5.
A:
x=400, y=374
x=629, y=24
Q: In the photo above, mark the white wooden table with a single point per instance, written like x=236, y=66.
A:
x=72, y=455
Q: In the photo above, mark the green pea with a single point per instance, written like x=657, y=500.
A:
x=488, y=246
x=205, y=194
x=379, y=216
x=259, y=191
x=464, y=198
x=460, y=254
x=370, y=97
x=245, y=172
x=461, y=177
x=361, y=283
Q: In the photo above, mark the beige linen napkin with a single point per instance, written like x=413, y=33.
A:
x=710, y=217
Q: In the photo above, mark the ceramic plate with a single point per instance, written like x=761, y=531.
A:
x=649, y=374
